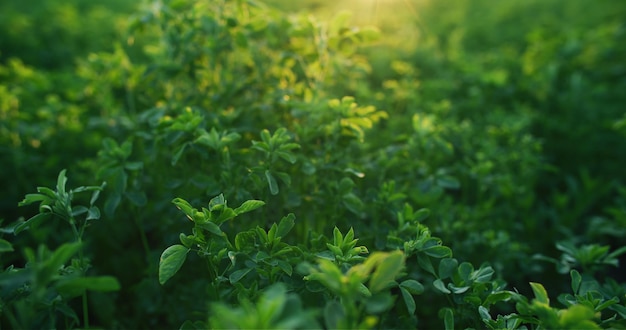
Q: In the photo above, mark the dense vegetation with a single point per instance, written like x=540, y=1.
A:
x=234, y=164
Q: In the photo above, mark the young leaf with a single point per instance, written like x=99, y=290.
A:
x=5, y=246
x=184, y=206
x=60, y=256
x=237, y=275
x=421, y=215
x=576, y=280
x=438, y=251
x=171, y=260
x=337, y=237
x=426, y=264
x=248, y=206
x=387, y=271
x=76, y=286
x=226, y=215
x=93, y=213
x=412, y=286
x=32, y=198
x=32, y=222
x=484, y=313
x=271, y=181
x=483, y=274
x=448, y=318
x=447, y=267
x=61, y=181
x=211, y=227
x=285, y=225
x=409, y=301
x=441, y=286
x=178, y=153
x=540, y=293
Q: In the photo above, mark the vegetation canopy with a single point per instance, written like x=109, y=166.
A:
x=281, y=164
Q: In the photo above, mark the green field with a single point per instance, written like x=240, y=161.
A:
x=379, y=164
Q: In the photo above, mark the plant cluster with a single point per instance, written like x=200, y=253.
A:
x=262, y=170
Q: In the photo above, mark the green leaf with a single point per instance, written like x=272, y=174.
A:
x=616, y=253
x=621, y=310
x=438, y=251
x=540, y=293
x=133, y=166
x=60, y=256
x=576, y=280
x=237, y=275
x=260, y=146
x=285, y=225
x=96, y=194
x=187, y=241
x=112, y=203
x=32, y=222
x=448, y=318
x=78, y=210
x=272, y=301
x=412, y=286
x=439, y=285
x=271, y=234
x=217, y=203
x=33, y=198
x=386, y=271
x=226, y=215
x=409, y=301
x=421, y=215
x=578, y=317
x=47, y=191
x=483, y=275
x=458, y=289
x=353, y=203
x=288, y=156
x=248, y=206
x=93, y=213
x=484, y=313
x=379, y=303
x=337, y=237
x=426, y=264
x=333, y=314
x=465, y=271
x=178, y=153
x=244, y=239
x=184, y=206
x=171, y=260
x=335, y=249
x=76, y=286
x=447, y=267
x=211, y=227
x=61, y=182
x=606, y=304
x=498, y=296
x=5, y=246
x=271, y=181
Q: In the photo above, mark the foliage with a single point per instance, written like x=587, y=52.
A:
x=451, y=178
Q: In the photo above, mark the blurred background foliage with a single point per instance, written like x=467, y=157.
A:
x=505, y=119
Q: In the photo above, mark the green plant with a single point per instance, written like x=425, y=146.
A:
x=39, y=294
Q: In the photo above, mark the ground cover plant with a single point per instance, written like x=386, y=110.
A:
x=226, y=164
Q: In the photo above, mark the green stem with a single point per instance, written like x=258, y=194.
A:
x=78, y=234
